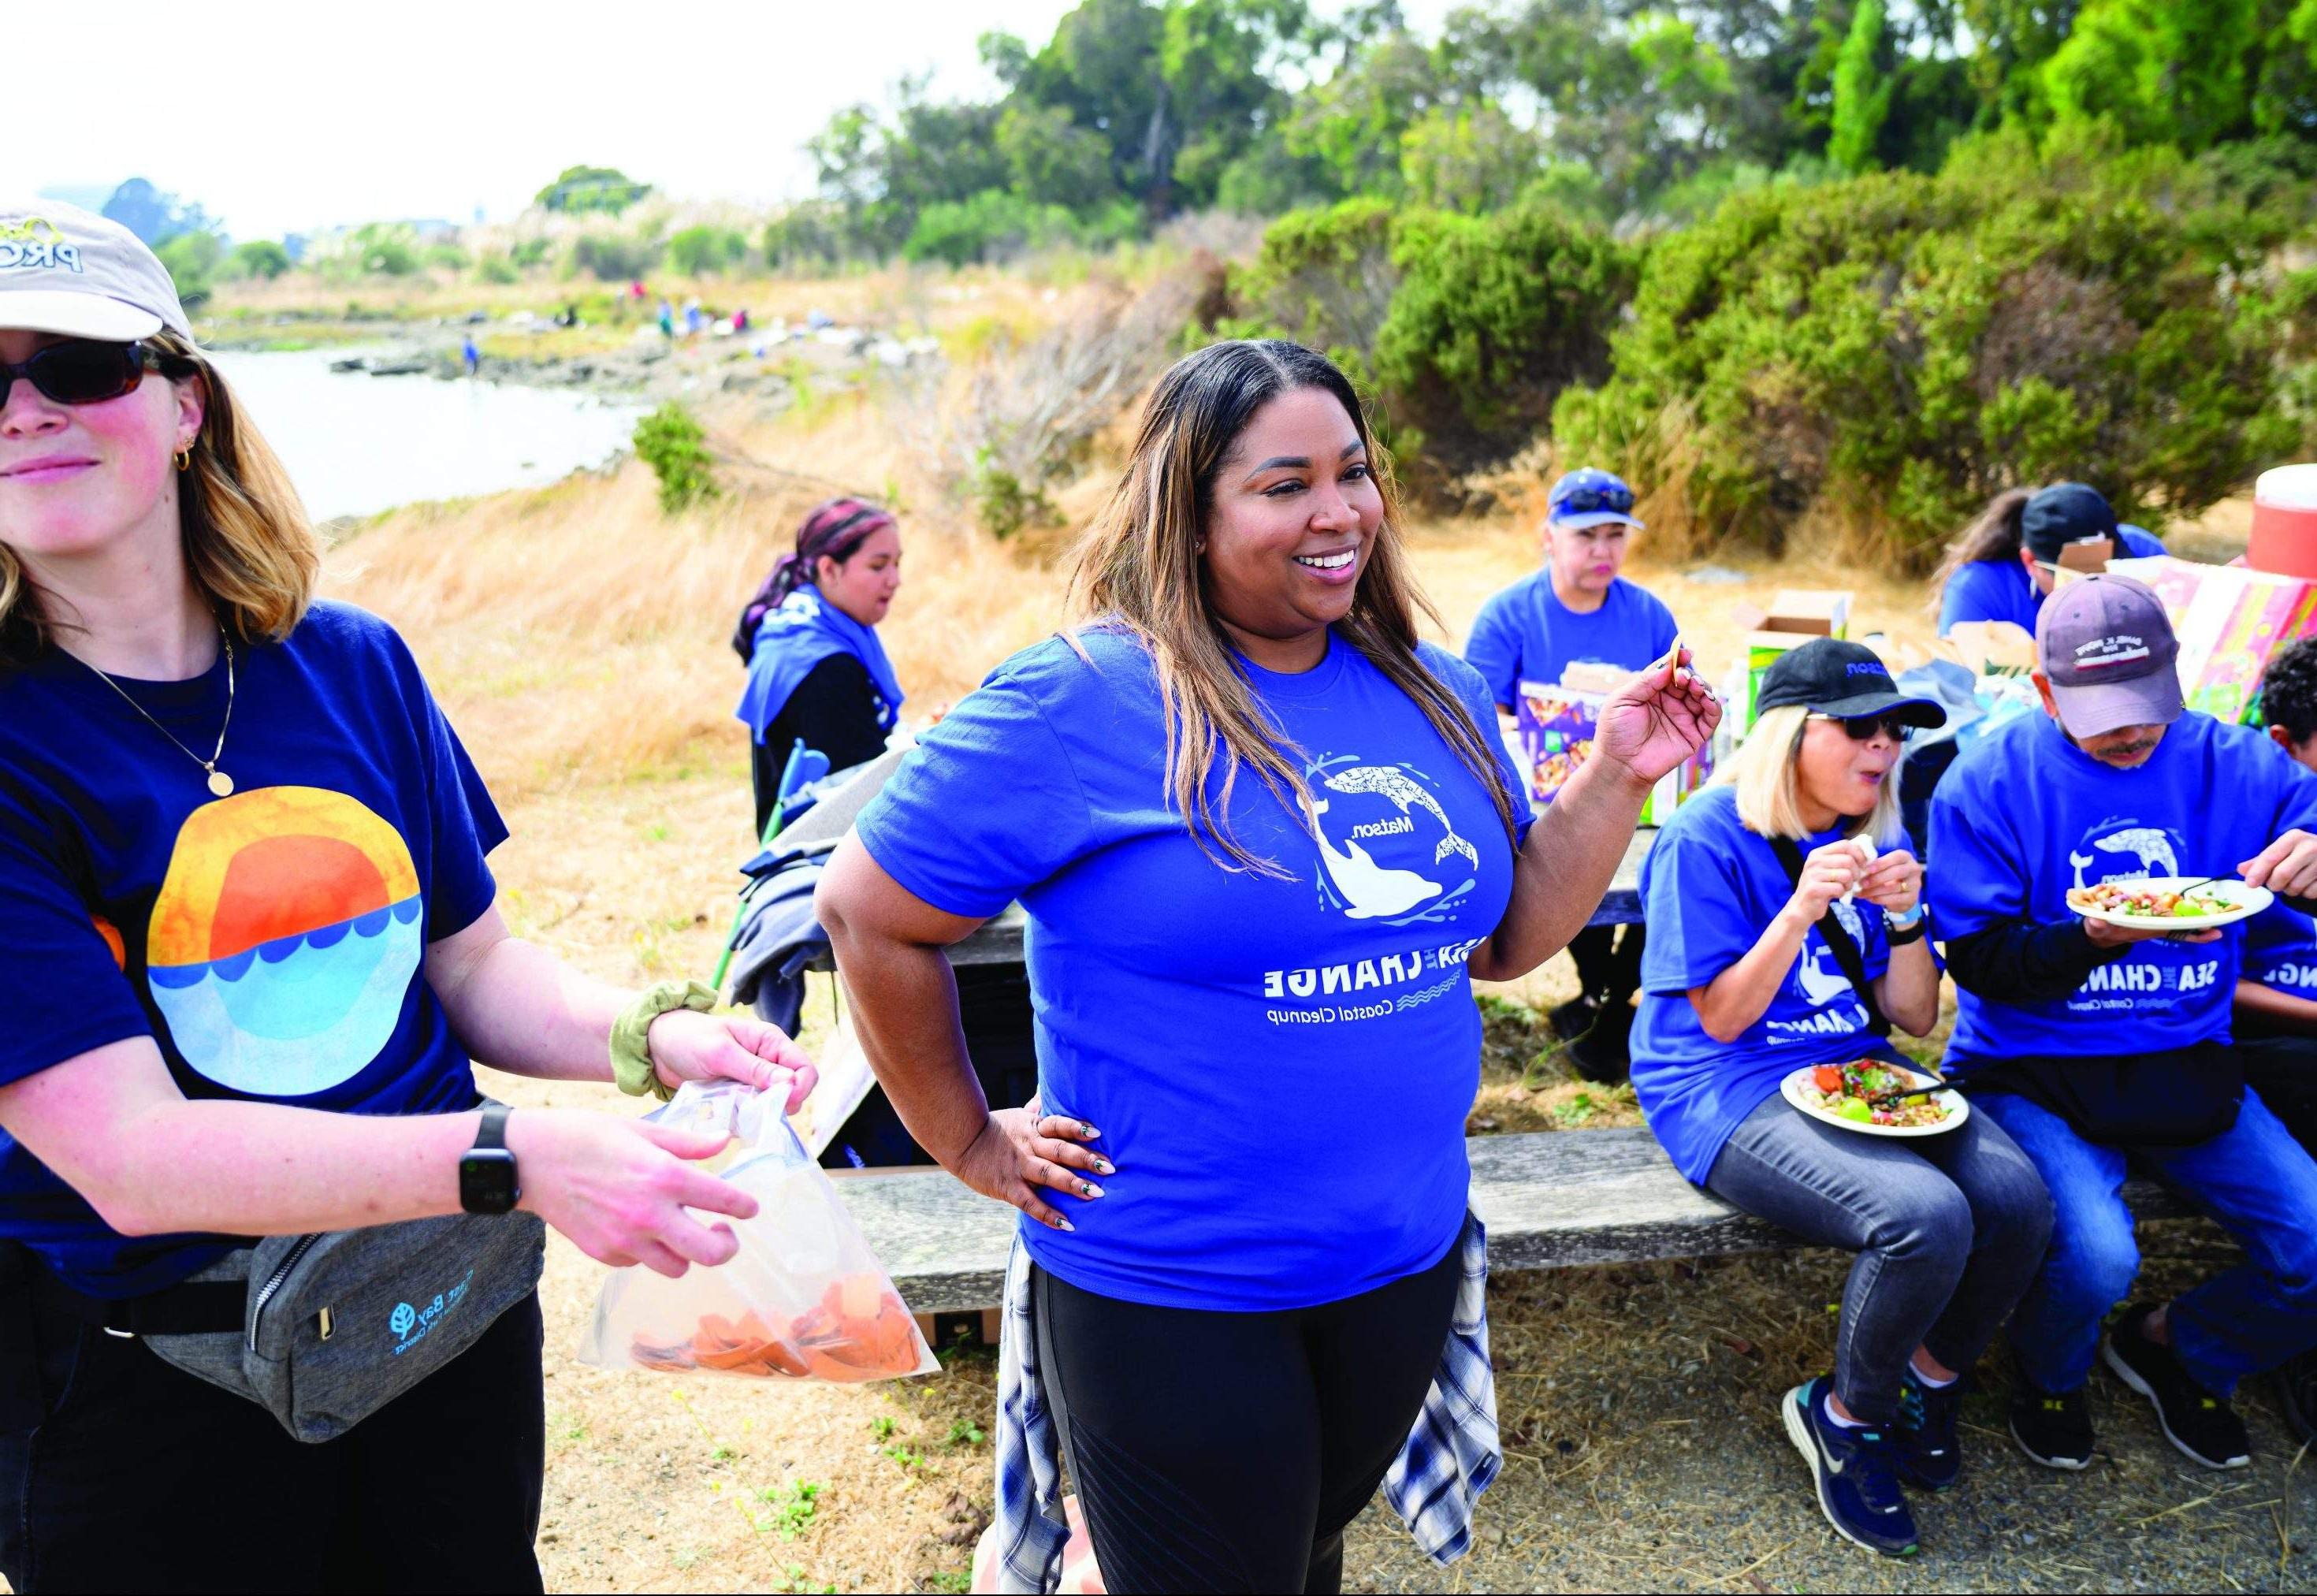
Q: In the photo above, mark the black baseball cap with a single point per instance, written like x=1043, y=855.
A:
x=2067, y=513
x=1828, y=676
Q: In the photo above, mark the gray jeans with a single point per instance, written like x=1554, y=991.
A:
x=1949, y=1230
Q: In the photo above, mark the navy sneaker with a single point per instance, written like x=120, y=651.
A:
x=2202, y=1425
x=2053, y=1429
x=1930, y=1445
x=1857, y=1487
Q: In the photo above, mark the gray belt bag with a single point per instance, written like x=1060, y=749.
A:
x=338, y=1323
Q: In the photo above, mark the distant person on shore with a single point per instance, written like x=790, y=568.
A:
x=817, y=669
x=255, y=950
x=1266, y=839
x=666, y=320
x=694, y=318
x=1787, y=931
x=1579, y=609
x=740, y=319
x=472, y=357
x=2004, y=564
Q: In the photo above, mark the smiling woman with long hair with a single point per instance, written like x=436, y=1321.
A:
x=1266, y=837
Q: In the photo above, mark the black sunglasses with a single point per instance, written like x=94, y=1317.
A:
x=80, y=371
x=1863, y=727
x=1589, y=501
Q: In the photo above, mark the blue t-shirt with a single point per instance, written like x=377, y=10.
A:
x=1710, y=888
x=2024, y=816
x=1193, y=1012
x=1526, y=634
x=2001, y=590
x=2280, y=951
x=270, y=941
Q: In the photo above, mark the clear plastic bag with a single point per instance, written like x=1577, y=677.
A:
x=804, y=1297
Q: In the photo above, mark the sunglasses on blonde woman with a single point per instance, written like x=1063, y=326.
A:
x=1863, y=727
x=78, y=372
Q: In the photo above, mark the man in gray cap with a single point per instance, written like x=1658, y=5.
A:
x=2094, y=1045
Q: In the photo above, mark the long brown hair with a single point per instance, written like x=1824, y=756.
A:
x=248, y=545
x=1138, y=571
x=1994, y=535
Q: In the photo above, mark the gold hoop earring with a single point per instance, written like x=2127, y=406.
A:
x=185, y=458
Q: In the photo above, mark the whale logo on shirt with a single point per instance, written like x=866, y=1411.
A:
x=1371, y=890
x=2149, y=845
x=1403, y=793
x=1819, y=984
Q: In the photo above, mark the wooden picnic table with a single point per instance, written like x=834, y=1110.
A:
x=999, y=941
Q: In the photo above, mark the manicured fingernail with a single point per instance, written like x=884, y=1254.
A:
x=1088, y=1188
x=1064, y=1224
x=1088, y=1131
x=1102, y=1166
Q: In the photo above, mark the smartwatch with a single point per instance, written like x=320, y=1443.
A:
x=487, y=1173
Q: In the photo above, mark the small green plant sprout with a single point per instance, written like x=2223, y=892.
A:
x=950, y=1579
x=905, y=1457
x=884, y=1425
x=965, y=1432
x=672, y=442
x=793, y=1506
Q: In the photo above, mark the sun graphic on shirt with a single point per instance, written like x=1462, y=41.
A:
x=284, y=939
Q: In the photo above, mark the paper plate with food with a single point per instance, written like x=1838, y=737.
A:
x=1876, y=1099
x=2171, y=902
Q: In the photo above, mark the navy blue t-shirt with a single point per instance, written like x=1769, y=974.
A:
x=270, y=941
x=2024, y=816
x=2002, y=589
x=1280, y=1065
x=1526, y=634
x=1710, y=888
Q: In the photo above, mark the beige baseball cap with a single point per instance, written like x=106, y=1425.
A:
x=64, y=271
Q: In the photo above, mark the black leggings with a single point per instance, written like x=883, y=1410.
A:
x=1216, y=1451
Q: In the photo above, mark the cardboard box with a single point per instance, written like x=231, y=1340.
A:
x=1988, y=648
x=1795, y=616
x=2082, y=560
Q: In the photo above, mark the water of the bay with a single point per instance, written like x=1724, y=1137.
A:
x=355, y=443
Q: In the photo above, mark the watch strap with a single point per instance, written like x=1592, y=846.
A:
x=491, y=1134
x=631, y=1061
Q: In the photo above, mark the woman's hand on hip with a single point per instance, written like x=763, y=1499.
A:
x=620, y=1188
x=1657, y=719
x=1021, y=1151
x=688, y=1046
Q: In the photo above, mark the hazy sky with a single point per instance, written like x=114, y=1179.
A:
x=280, y=117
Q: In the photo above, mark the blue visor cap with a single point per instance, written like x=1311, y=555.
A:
x=1589, y=498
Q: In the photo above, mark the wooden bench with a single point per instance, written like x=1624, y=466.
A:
x=1550, y=1199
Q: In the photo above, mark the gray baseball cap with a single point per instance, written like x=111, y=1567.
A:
x=64, y=271
x=2107, y=648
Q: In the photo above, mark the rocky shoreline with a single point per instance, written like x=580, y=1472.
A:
x=774, y=362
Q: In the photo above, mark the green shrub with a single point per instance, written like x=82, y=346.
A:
x=992, y=225
x=702, y=251
x=611, y=258
x=192, y=260
x=1465, y=328
x=497, y=268
x=259, y=257
x=1885, y=352
x=528, y=253
x=671, y=441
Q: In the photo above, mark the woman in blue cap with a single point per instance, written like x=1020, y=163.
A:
x=1786, y=931
x=1578, y=610
x=2005, y=562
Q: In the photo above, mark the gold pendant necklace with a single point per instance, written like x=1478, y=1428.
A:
x=220, y=784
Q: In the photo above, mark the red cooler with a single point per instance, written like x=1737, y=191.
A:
x=2285, y=522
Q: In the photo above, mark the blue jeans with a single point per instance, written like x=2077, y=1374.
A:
x=2254, y=1180
x=1948, y=1230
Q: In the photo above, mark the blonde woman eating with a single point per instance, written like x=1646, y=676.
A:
x=1786, y=929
